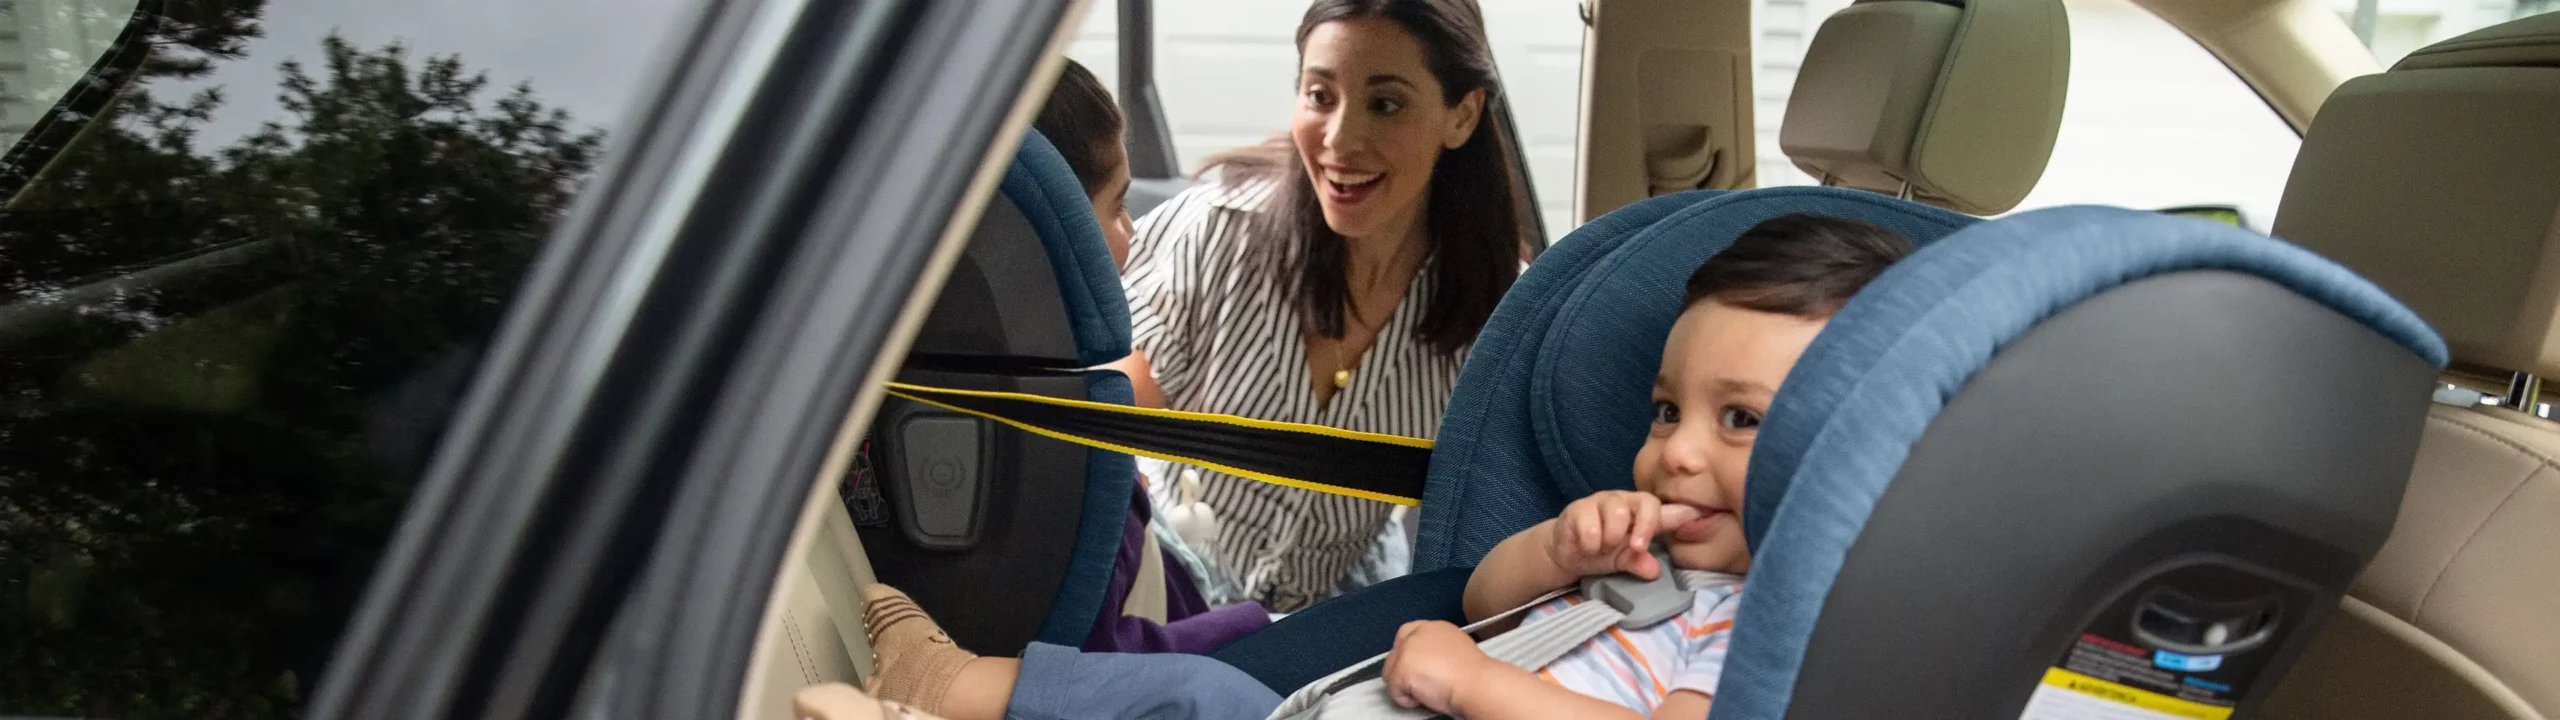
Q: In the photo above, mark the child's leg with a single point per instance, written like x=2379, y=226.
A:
x=1062, y=683
x=921, y=668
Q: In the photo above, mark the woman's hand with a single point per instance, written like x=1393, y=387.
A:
x=1610, y=532
x=1432, y=660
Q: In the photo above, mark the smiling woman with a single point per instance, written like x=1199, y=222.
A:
x=1337, y=275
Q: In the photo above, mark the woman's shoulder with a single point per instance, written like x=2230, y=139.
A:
x=1210, y=217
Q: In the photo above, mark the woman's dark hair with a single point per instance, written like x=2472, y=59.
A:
x=1477, y=218
x=1085, y=124
x=1800, y=265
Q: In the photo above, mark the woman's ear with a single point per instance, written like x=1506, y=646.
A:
x=1470, y=109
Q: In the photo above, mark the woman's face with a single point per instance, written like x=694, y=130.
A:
x=1370, y=125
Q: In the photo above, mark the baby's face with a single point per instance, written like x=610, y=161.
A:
x=1720, y=368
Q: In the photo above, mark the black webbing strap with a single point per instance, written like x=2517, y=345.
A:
x=1386, y=468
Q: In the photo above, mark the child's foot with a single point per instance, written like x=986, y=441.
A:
x=913, y=662
x=838, y=701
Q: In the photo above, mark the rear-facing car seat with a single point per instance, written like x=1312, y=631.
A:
x=1008, y=536
x=2440, y=180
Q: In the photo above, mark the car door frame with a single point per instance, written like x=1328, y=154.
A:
x=608, y=512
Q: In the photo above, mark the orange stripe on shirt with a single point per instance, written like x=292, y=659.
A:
x=1642, y=662
x=1709, y=629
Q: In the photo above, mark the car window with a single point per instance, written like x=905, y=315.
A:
x=2152, y=120
x=250, y=254
x=2403, y=26
x=1224, y=67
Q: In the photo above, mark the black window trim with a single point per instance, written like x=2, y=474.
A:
x=636, y=448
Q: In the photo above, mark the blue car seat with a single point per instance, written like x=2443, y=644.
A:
x=2073, y=436
x=943, y=501
x=2070, y=424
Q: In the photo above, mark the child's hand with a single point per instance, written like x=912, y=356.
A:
x=1609, y=532
x=1431, y=660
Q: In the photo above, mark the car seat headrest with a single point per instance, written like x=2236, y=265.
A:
x=1037, y=284
x=2437, y=180
x=1554, y=398
x=1958, y=103
x=2020, y=436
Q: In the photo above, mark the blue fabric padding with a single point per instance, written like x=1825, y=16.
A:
x=1871, y=383
x=1556, y=396
x=1334, y=634
x=1109, y=479
x=1045, y=189
x=1483, y=434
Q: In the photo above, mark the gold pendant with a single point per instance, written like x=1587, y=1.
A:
x=1341, y=379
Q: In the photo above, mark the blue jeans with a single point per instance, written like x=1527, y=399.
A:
x=1063, y=683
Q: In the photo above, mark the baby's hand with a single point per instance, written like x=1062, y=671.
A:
x=1431, y=660
x=1609, y=532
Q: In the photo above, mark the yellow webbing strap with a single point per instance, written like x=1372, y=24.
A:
x=1385, y=468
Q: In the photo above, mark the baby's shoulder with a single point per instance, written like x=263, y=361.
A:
x=1717, y=595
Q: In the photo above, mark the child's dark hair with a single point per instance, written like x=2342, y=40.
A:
x=1800, y=265
x=1085, y=124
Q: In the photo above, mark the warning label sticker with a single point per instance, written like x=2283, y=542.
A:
x=2067, y=695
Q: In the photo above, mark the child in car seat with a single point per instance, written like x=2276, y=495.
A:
x=1749, y=314
x=1085, y=125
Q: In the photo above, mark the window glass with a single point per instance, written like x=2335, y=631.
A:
x=241, y=289
x=2152, y=119
x=1224, y=70
x=2403, y=26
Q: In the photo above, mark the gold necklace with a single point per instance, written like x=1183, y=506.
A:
x=1342, y=367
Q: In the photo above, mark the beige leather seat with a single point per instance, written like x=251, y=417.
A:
x=2440, y=180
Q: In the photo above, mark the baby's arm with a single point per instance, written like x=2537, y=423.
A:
x=1436, y=665
x=1597, y=535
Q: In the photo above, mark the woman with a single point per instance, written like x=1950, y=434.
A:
x=1336, y=276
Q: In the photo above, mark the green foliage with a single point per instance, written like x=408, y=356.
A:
x=221, y=368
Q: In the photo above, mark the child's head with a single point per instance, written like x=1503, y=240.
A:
x=1086, y=126
x=1750, y=312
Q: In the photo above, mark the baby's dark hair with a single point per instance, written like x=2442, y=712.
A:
x=1085, y=124
x=1800, y=265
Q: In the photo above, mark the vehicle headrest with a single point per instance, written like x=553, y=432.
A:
x=1037, y=284
x=1555, y=396
x=1959, y=100
x=2438, y=181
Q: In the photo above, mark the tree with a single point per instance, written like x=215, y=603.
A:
x=220, y=369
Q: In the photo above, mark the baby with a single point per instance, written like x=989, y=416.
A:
x=1749, y=314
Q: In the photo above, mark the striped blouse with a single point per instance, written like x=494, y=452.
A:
x=1221, y=337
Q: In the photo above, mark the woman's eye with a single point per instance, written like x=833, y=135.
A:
x=1319, y=97
x=1740, y=419
x=1666, y=413
x=1386, y=106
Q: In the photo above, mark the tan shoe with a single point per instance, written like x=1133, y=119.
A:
x=913, y=661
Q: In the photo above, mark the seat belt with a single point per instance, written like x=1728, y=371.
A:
x=1374, y=466
x=1359, y=692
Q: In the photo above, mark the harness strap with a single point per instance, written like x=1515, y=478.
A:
x=1385, y=468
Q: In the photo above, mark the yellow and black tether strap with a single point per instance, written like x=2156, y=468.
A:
x=1386, y=468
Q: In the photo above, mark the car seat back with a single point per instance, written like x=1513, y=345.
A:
x=2440, y=179
x=2094, y=453
x=953, y=502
